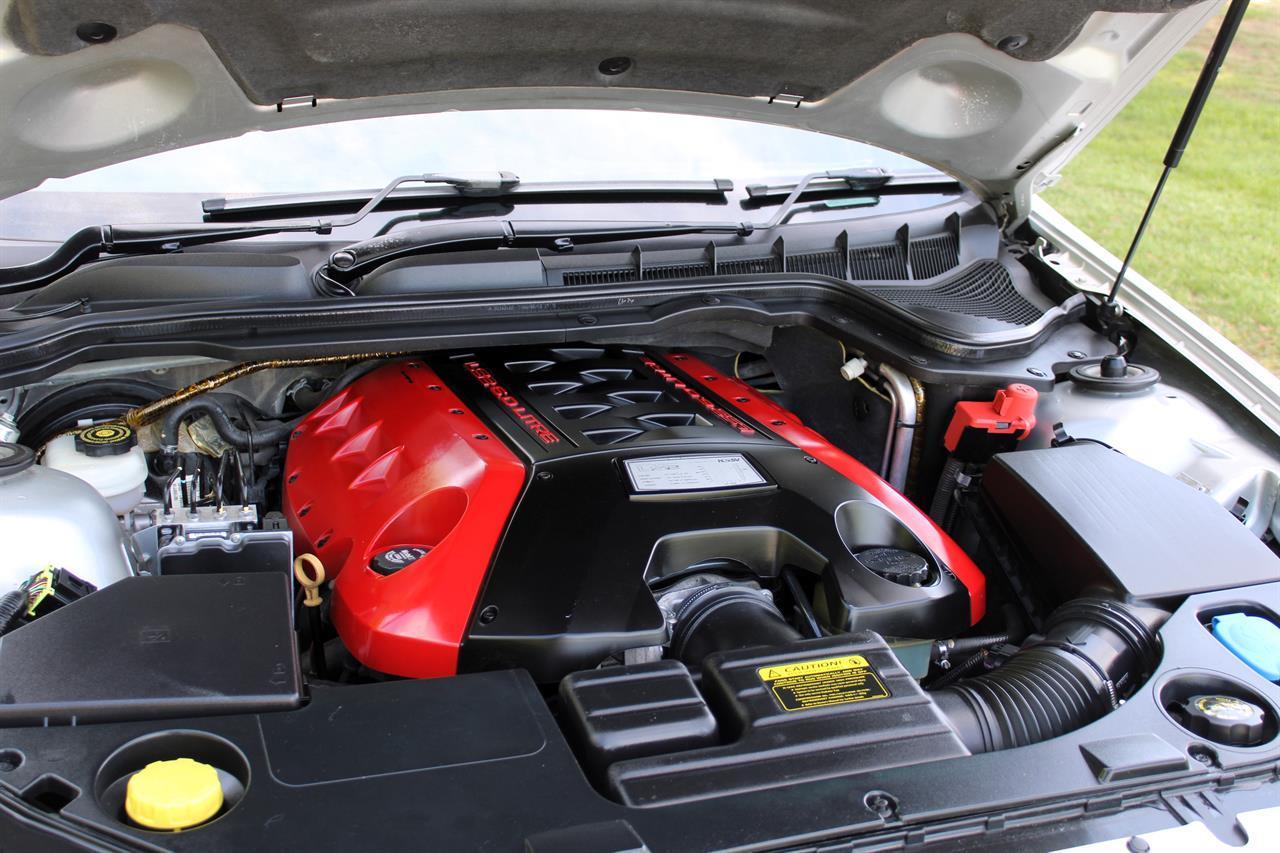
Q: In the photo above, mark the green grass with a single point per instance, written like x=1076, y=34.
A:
x=1214, y=243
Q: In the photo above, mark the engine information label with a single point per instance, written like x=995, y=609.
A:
x=692, y=473
x=819, y=683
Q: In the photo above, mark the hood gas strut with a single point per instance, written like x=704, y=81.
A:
x=1178, y=145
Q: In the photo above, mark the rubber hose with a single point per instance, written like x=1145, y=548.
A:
x=240, y=438
x=10, y=606
x=350, y=375
x=940, y=509
x=959, y=671
x=972, y=644
x=1093, y=652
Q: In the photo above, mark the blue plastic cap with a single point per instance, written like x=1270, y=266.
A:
x=1253, y=639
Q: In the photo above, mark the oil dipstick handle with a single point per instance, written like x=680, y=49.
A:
x=309, y=571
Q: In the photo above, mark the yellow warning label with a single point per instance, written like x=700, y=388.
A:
x=827, y=681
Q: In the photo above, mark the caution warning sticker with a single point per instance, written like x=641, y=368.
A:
x=804, y=684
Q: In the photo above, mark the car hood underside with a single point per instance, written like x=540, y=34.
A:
x=985, y=90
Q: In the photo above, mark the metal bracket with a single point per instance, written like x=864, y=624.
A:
x=787, y=99
x=295, y=101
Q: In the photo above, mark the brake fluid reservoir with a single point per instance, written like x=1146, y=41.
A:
x=50, y=518
x=105, y=456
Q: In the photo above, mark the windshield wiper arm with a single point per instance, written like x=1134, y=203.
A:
x=351, y=262
x=474, y=210
x=503, y=180
x=292, y=203
x=91, y=243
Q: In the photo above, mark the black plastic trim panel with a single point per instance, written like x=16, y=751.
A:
x=238, y=331
x=378, y=767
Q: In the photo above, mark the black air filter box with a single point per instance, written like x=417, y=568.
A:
x=811, y=709
x=1087, y=514
x=149, y=647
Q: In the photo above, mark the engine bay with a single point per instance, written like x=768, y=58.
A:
x=691, y=573
x=680, y=497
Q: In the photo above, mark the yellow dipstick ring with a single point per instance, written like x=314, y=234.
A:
x=312, y=580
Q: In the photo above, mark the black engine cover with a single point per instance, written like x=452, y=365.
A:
x=638, y=471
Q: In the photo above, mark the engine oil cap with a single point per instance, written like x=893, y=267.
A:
x=896, y=565
x=1253, y=639
x=394, y=559
x=173, y=795
x=1224, y=719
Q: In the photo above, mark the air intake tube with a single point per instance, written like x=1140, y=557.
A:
x=1093, y=653
x=721, y=617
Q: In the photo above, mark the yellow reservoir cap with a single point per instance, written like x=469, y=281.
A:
x=176, y=794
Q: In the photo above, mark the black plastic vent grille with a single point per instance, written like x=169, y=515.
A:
x=606, y=276
x=677, y=271
x=984, y=290
x=748, y=266
x=886, y=261
x=818, y=263
x=933, y=256
x=929, y=257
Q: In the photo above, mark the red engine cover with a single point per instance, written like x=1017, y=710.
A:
x=405, y=453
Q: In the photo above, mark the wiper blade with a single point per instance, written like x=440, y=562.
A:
x=292, y=203
x=855, y=180
x=442, y=186
x=91, y=243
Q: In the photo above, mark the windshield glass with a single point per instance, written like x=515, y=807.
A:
x=537, y=145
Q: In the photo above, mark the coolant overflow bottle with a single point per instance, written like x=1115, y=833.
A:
x=107, y=457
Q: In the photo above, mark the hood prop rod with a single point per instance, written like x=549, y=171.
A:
x=1178, y=145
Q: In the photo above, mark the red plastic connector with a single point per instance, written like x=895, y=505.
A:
x=1012, y=411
